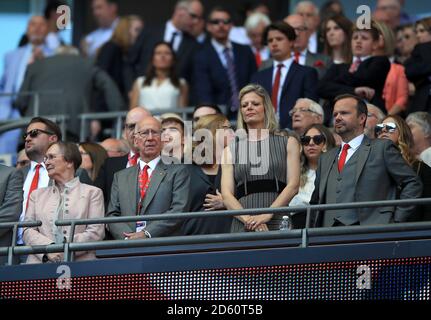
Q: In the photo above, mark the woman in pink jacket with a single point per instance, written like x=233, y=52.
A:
x=65, y=198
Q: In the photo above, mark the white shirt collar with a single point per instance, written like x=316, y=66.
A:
x=286, y=63
x=152, y=164
x=33, y=165
x=354, y=143
x=170, y=29
x=361, y=58
x=219, y=47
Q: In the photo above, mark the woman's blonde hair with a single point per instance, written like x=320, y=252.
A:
x=388, y=37
x=271, y=122
x=121, y=35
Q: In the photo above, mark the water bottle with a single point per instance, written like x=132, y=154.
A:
x=286, y=223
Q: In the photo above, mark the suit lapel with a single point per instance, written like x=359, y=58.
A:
x=363, y=152
x=267, y=79
x=157, y=177
x=326, y=168
x=132, y=180
x=290, y=75
x=310, y=58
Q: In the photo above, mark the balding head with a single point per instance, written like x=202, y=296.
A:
x=133, y=117
x=115, y=147
x=37, y=30
x=147, y=138
x=299, y=23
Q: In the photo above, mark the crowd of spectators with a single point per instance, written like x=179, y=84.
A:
x=312, y=109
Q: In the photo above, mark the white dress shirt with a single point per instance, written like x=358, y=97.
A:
x=354, y=144
x=425, y=156
x=302, y=57
x=287, y=63
x=312, y=43
x=152, y=165
x=98, y=38
x=43, y=183
x=169, y=32
x=219, y=48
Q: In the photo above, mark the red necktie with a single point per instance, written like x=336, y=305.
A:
x=34, y=183
x=133, y=160
x=343, y=157
x=297, y=54
x=258, y=58
x=355, y=65
x=143, y=185
x=276, y=86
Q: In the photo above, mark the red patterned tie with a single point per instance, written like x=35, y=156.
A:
x=143, y=185
x=34, y=182
x=297, y=54
x=355, y=65
x=276, y=86
x=133, y=160
x=343, y=157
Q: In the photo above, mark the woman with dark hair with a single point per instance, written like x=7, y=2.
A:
x=316, y=140
x=93, y=156
x=337, y=31
x=160, y=88
x=67, y=198
x=261, y=169
x=331, y=8
x=396, y=129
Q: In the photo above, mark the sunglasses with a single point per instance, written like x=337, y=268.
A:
x=318, y=140
x=35, y=132
x=389, y=127
x=218, y=21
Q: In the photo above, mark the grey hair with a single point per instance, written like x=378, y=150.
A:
x=307, y=3
x=423, y=120
x=313, y=105
x=380, y=114
x=184, y=4
x=255, y=19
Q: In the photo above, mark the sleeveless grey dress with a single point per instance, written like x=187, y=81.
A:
x=260, y=160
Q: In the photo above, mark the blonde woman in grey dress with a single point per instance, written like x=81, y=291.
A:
x=261, y=168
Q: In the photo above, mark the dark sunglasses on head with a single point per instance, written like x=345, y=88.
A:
x=218, y=21
x=389, y=127
x=35, y=132
x=318, y=140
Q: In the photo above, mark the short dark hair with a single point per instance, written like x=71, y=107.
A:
x=281, y=26
x=51, y=7
x=70, y=153
x=50, y=126
x=361, y=105
x=219, y=9
x=373, y=30
x=208, y=105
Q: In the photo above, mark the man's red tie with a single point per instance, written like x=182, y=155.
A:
x=143, y=185
x=343, y=157
x=258, y=58
x=276, y=86
x=355, y=65
x=297, y=54
x=133, y=160
x=34, y=183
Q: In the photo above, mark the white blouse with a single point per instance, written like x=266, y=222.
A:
x=159, y=96
x=305, y=192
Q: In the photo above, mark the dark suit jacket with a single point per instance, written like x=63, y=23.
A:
x=106, y=175
x=210, y=77
x=371, y=73
x=11, y=184
x=418, y=71
x=301, y=82
x=77, y=78
x=168, y=192
x=380, y=170
x=140, y=53
x=200, y=186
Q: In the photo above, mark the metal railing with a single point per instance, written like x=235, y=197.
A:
x=36, y=96
x=301, y=234
x=61, y=120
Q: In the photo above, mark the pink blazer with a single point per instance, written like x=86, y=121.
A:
x=396, y=90
x=81, y=201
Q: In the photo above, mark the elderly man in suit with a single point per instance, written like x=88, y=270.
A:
x=15, y=66
x=222, y=67
x=151, y=187
x=362, y=170
x=11, y=181
x=284, y=79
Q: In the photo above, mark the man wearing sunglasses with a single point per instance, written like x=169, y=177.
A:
x=362, y=170
x=222, y=67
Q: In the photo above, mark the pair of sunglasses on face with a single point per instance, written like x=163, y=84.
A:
x=389, y=127
x=35, y=132
x=318, y=140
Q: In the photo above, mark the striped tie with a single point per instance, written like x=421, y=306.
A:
x=232, y=80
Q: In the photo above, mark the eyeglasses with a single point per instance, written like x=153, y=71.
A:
x=35, y=132
x=301, y=110
x=319, y=139
x=301, y=29
x=218, y=21
x=145, y=134
x=389, y=127
x=50, y=157
x=195, y=16
x=130, y=126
